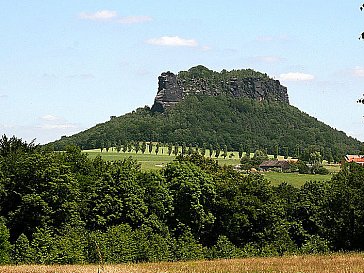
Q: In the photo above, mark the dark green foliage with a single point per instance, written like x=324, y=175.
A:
x=116, y=196
x=120, y=246
x=246, y=163
x=170, y=148
x=224, y=249
x=143, y=148
x=315, y=244
x=302, y=167
x=23, y=253
x=153, y=246
x=71, y=245
x=193, y=195
x=157, y=148
x=217, y=151
x=44, y=246
x=5, y=246
x=187, y=248
x=223, y=121
x=241, y=151
x=64, y=208
x=136, y=146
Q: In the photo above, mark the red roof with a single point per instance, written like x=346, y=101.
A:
x=355, y=158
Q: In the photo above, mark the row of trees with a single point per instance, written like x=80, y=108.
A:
x=215, y=150
x=212, y=150
x=66, y=208
x=221, y=120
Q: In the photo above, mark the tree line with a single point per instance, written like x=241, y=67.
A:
x=62, y=207
x=219, y=121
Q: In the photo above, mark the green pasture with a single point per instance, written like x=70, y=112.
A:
x=294, y=179
x=152, y=161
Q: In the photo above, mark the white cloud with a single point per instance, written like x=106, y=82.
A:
x=3, y=96
x=172, y=41
x=112, y=16
x=49, y=118
x=358, y=71
x=101, y=15
x=134, y=19
x=296, y=76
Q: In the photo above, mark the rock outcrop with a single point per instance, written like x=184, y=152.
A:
x=240, y=84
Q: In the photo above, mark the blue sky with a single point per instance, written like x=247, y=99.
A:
x=67, y=65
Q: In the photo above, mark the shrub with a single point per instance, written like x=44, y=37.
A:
x=5, y=245
x=315, y=244
x=187, y=248
x=152, y=246
x=44, y=246
x=225, y=249
x=23, y=253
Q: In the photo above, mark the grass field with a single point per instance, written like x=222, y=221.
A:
x=334, y=263
x=294, y=179
x=151, y=161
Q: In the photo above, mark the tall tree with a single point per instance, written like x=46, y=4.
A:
x=217, y=151
x=183, y=152
x=157, y=148
x=170, y=148
x=143, y=147
x=241, y=150
x=175, y=151
x=136, y=146
x=225, y=152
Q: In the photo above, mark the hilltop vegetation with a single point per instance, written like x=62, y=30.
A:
x=62, y=207
x=205, y=120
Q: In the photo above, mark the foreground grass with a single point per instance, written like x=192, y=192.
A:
x=334, y=263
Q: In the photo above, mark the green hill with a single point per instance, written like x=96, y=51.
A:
x=220, y=120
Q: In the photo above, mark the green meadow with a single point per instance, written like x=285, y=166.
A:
x=153, y=161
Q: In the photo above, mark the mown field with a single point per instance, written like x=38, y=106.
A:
x=334, y=263
x=152, y=161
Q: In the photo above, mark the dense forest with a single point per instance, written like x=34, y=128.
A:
x=62, y=207
x=218, y=121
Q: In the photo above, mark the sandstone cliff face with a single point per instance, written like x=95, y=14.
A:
x=174, y=88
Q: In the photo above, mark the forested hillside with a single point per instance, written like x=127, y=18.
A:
x=235, y=122
x=62, y=207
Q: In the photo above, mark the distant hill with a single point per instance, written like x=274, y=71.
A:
x=255, y=116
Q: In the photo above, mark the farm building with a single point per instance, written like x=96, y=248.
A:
x=355, y=158
x=280, y=165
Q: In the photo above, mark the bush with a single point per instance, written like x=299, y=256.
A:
x=120, y=246
x=315, y=244
x=70, y=246
x=320, y=170
x=187, y=248
x=224, y=249
x=152, y=246
x=44, y=246
x=302, y=167
x=23, y=253
x=5, y=245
